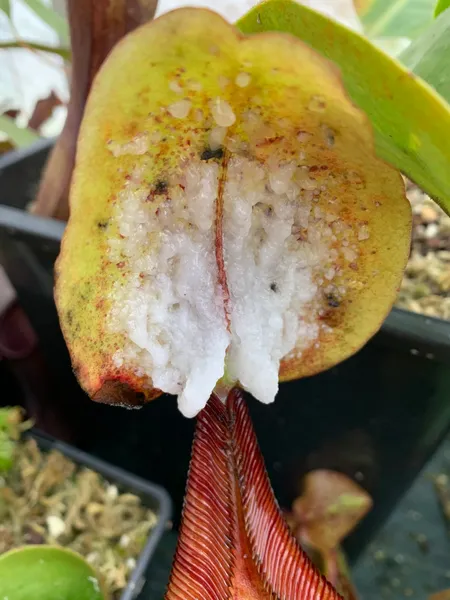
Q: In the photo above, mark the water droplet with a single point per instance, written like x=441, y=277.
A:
x=180, y=109
x=242, y=80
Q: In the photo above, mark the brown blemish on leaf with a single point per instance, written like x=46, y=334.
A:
x=119, y=392
x=333, y=317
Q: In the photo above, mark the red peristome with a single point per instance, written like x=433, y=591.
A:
x=234, y=543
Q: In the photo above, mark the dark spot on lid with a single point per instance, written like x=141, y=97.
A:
x=274, y=287
x=208, y=154
x=332, y=300
x=161, y=187
x=330, y=136
x=102, y=224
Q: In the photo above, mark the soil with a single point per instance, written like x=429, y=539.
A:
x=426, y=285
x=45, y=498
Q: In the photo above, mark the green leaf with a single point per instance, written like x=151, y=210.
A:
x=11, y=418
x=6, y=452
x=398, y=18
x=391, y=45
x=51, y=17
x=47, y=573
x=19, y=136
x=5, y=6
x=441, y=6
x=62, y=52
x=411, y=121
x=428, y=56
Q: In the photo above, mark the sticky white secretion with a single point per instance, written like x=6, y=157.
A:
x=188, y=318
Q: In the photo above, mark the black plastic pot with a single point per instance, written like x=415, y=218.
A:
x=376, y=417
x=153, y=496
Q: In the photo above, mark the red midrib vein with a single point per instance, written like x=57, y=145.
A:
x=222, y=276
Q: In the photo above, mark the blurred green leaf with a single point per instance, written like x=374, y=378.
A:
x=11, y=418
x=398, y=18
x=393, y=46
x=7, y=447
x=63, y=52
x=20, y=136
x=5, y=6
x=51, y=17
x=441, y=6
x=429, y=55
x=411, y=121
x=47, y=573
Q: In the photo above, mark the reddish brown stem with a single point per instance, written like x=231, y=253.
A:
x=95, y=27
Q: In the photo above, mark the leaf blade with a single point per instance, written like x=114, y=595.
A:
x=441, y=6
x=20, y=136
x=5, y=6
x=58, y=50
x=398, y=18
x=428, y=55
x=47, y=572
x=51, y=17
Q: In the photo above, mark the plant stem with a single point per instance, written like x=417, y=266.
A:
x=60, y=51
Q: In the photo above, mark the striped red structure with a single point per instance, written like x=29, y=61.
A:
x=234, y=543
